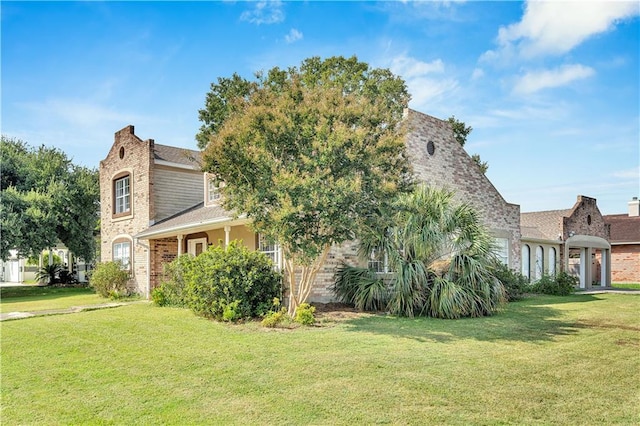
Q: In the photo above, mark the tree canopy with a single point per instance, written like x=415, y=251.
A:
x=308, y=154
x=46, y=199
x=460, y=133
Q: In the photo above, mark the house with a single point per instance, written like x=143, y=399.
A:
x=17, y=269
x=574, y=240
x=625, y=244
x=157, y=204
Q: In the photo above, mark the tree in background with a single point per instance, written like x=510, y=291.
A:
x=46, y=199
x=460, y=132
x=308, y=154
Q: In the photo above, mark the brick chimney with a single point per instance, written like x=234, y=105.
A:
x=634, y=207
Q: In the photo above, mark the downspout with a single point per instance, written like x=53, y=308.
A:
x=147, y=290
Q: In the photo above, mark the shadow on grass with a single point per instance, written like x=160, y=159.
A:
x=530, y=320
x=10, y=295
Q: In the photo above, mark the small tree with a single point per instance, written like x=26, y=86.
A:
x=308, y=153
x=460, y=133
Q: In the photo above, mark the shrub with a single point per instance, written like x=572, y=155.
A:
x=110, y=280
x=274, y=318
x=515, y=284
x=220, y=277
x=172, y=291
x=360, y=287
x=304, y=314
x=562, y=285
x=49, y=274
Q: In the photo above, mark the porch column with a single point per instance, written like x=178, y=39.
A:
x=583, y=267
x=227, y=234
x=589, y=264
x=604, y=267
x=180, y=237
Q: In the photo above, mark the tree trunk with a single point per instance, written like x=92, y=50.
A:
x=299, y=291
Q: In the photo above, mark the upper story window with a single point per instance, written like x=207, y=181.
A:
x=122, y=195
x=213, y=191
x=122, y=253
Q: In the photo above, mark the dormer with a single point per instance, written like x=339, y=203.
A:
x=212, y=194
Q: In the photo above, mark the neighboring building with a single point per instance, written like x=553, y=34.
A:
x=567, y=240
x=625, y=244
x=16, y=269
x=156, y=204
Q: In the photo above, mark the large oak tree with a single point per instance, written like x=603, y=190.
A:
x=46, y=199
x=309, y=154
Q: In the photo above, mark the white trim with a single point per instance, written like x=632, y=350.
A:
x=192, y=227
x=191, y=245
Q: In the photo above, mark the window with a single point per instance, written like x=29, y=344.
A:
x=526, y=261
x=271, y=249
x=539, y=262
x=122, y=253
x=378, y=262
x=214, y=191
x=122, y=195
x=552, y=261
x=502, y=250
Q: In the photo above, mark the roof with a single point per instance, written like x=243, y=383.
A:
x=545, y=225
x=173, y=154
x=189, y=219
x=624, y=228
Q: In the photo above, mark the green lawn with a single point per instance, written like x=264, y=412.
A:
x=634, y=286
x=34, y=298
x=544, y=360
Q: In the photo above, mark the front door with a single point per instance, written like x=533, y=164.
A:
x=196, y=246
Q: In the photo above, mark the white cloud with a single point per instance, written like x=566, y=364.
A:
x=556, y=27
x=477, y=74
x=537, y=80
x=293, y=36
x=264, y=12
x=633, y=173
x=423, y=86
x=408, y=67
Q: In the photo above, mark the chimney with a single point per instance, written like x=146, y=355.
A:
x=634, y=207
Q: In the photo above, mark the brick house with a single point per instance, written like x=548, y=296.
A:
x=625, y=244
x=157, y=204
x=567, y=240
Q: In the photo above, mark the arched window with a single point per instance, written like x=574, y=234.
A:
x=552, y=261
x=122, y=252
x=539, y=262
x=526, y=261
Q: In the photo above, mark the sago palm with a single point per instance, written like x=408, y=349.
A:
x=440, y=256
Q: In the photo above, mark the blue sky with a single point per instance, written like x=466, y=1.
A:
x=550, y=89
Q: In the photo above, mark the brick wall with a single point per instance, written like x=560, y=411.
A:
x=585, y=219
x=135, y=156
x=625, y=263
x=163, y=251
x=449, y=166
